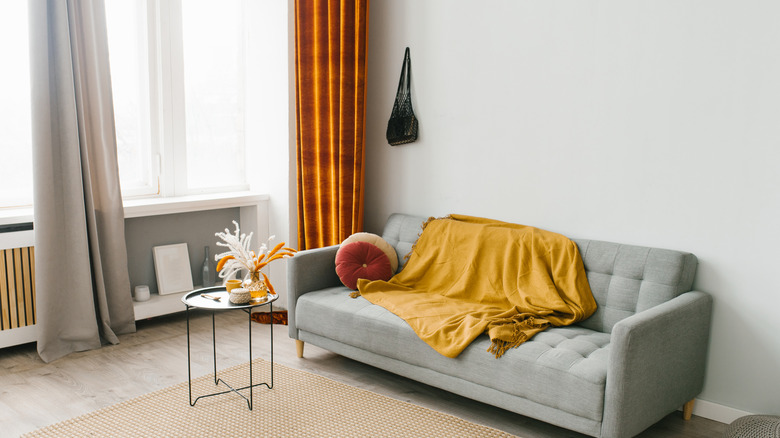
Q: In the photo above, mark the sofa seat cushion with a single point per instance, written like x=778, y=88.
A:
x=562, y=367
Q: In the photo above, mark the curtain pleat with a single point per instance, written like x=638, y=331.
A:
x=82, y=281
x=331, y=41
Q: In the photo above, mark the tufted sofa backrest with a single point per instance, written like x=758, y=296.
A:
x=402, y=231
x=624, y=279
x=628, y=279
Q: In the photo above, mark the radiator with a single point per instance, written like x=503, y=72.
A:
x=17, y=287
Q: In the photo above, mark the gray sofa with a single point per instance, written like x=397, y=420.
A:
x=640, y=357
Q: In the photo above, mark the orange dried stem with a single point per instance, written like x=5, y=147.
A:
x=279, y=256
x=276, y=248
x=268, y=284
x=222, y=262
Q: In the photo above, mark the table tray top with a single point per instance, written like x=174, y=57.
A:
x=194, y=299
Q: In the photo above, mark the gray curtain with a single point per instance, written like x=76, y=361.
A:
x=81, y=276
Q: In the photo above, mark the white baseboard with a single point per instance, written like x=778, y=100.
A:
x=714, y=411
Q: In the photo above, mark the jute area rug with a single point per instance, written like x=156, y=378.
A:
x=301, y=404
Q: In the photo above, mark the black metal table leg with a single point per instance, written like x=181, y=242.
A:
x=188, y=300
x=251, y=391
x=214, y=345
x=271, y=308
x=189, y=360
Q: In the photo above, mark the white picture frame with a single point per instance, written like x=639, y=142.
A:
x=172, y=267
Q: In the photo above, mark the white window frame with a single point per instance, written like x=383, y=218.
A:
x=168, y=154
x=167, y=112
x=153, y=184
x=12, y=197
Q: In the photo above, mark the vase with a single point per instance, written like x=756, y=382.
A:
x=256, y=285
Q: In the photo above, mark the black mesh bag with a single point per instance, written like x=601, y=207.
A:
x=402, y=126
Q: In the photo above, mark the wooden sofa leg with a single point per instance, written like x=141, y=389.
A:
x=688, y=410
x=299, y=347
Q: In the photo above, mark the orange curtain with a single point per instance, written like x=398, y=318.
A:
x=331, y=41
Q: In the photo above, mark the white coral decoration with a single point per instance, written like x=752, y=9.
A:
x=238, y=248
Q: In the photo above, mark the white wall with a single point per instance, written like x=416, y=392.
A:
x=650, y=123
x=267, y=124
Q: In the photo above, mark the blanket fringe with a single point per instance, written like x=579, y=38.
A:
x=499, y=347
x=354, y=294
x=520, y=323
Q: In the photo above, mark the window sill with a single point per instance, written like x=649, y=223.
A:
x=157, y=206
x=12, y=216
x=184, y=204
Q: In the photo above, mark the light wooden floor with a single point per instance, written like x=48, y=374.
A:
x=34, y=394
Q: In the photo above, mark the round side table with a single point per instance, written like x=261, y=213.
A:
x=216, y=299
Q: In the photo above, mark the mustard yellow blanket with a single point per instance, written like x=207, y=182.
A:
x=467, y=275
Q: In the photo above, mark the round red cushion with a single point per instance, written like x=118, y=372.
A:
x=361, y=260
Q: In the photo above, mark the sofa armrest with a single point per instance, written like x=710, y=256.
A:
x=308, y=271
x=656, y=363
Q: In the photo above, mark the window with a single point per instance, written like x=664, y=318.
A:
x=15, y=124
x=178, y=72
x=214, y=67
x=178, y=78
x=130, y=77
